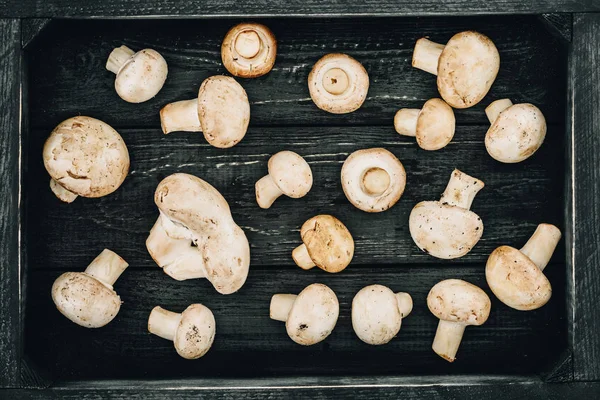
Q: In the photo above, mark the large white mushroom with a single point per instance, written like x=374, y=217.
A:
x=249, y=50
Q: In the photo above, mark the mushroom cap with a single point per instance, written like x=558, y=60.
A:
x=358, y=164
x=196, y=332
x=257, y=65
x=376, y=317
x=455, y=300
x=142, y=76
x=516, y=134
x=516, y=280
x=291, y=173
x=350, y=99
x=313, y=315
x=328, y=241
x=467, y=69
x=85, y=300
x=435, y=125
x=86, y=156
x=223, y=111
x=444, y=231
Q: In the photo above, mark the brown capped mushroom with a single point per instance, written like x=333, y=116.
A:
x=85, y=157
x=466, y=66
x=338, y=84
x=249, y=50
x=517, y=130
x=447, y=228
x=457, y=304
x=373, y=180
x=327, y=244
x=289, y=174
x=433, y=125
x=310, y=316
x=87, y=298
x=221, y=112
x=516, y=276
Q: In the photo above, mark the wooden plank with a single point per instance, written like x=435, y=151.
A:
x=31, y=28
x=68, y=76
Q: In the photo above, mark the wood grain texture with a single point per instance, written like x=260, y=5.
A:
x=31, y=29
x=559, y=25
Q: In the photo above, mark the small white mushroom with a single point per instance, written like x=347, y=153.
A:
x=249, y=50
x=192, y=331
x=310, y=316
x=87, y=298
x=289, y=174
x=338, y=84
x=373, y=180
x=140, y=76
x=517, y=131
x=466, y=66
x=85, y=157
x=221, y=112
x=457, y=304
x=377, y=313
x=327, y=244
x=447, y=228
x=516, y=276
x=433, y=125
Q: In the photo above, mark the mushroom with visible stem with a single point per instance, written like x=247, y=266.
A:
x=466, y=66
x=447, y=228
x=249, y=50
x=289, y=174
x=516, y=277
x=457, y=304
x=310, y=316
x=433, y=125
x=377, y=313
x=87, y=298
x=140, y=76
x=327, y=244
x=192, y=331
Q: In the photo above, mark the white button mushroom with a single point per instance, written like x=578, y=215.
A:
x=457, y=304
x=289, y=174
x=310, y=316
x=327, y=244
x=338, y=84
x=516, y=277
x=192, y=332
x=87, y=298
x=373, y=180
x=140, y=76
x=447, y=228
x=249, y=50
x=433, y=125
x=466, y=66
x=195, y=235
x=377, y=313
x=517, y=131
x=85, y=157
x=221, y=112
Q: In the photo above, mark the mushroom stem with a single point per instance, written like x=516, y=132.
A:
x=63, y=194
x=266, y=191
x=540, y=246
x=107, y=267
x=426, y=55
x=163, y=323
x=405, y=303
x=405, y=121
x=461, y=190
x=180, y=116
x=447, y=339
x=495, y=108
x=302, y=258
x=281, y=305
x=117, y=58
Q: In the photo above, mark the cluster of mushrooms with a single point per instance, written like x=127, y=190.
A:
x=195, y=235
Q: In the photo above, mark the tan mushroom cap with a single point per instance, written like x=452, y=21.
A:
x=86, y=157
x=141, y=76
x=196, y=332
x=433, y=125
x=338, y=83
x=291, y=173
x=249, y=50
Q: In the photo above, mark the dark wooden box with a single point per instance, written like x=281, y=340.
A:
x=52, y=68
